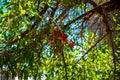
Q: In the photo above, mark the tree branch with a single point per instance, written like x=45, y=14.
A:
x=64, y=12
x=109, y=31
x=97, y=9
x=100, y=39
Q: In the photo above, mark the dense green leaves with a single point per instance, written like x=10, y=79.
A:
x=80, y=49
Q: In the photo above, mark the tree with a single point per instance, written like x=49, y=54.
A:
x=59, y=39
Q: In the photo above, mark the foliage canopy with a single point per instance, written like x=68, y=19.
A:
x=60, y=39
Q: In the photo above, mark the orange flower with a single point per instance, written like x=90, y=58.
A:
x=54, y=32
x=65, y=41
x=64, y=35
x=51, y=41
x=72, y=43
x=60, y=37
x=58, y=51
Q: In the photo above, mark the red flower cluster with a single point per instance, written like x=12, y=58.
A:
x=55, y=32
x=63, y=37
x=60, y=36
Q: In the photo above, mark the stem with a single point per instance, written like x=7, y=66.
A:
x=65, y=66
x=109, y=31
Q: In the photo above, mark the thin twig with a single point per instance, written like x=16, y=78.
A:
x=65, y=66
x=101, y=38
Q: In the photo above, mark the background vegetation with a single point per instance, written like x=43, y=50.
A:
x=60, y=39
